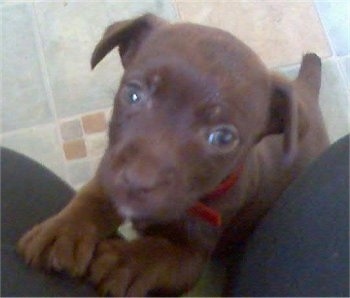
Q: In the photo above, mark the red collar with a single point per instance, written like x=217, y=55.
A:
x=207, y=213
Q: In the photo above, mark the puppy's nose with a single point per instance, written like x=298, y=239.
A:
x=139, y=178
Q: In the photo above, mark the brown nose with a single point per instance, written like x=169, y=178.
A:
x=145, y=165
x=146, y=176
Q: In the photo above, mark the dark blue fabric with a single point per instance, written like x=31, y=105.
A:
x=30, y=193
x=301, y=248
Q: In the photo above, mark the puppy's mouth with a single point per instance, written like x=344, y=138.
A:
x=154, y=216
x=165, y=198
x=158, y=205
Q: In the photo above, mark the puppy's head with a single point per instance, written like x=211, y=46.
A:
x=192, y=102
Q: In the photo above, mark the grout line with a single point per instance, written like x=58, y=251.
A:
x=52, y=123
x=325, y=31
x=47, y=84
x=79, y=115
x=24, y=129
x=342, y=74
x=90, y=159
x=334, y=56
x=291, y=65
x=174, y=5
x=55, y=123
x=52, y=105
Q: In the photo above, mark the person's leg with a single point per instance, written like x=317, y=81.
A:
x=301, y=248
x=30, y=193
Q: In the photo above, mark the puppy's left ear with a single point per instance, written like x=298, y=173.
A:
x=128, y=35
x=286, y=116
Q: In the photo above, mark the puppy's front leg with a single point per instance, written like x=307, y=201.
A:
x=144, y=266
x=67, y=240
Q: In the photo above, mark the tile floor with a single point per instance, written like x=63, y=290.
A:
x=54, y=109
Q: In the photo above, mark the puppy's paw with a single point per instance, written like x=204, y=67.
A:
x=141, y=267
x=59, y=244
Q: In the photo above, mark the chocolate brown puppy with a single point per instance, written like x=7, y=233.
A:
x=202, y=136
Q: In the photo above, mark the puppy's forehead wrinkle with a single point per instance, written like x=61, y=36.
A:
x=176, y=70
x=180, y=77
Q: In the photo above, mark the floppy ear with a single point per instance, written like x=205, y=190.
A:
x=128, y=35
x=284, y=115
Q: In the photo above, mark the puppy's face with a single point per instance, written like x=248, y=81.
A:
x=192, y=102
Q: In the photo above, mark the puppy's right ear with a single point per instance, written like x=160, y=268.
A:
x=128, y=35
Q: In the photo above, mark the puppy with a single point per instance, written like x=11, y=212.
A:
x=202, y=136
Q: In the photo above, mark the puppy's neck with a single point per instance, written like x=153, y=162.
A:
x=208, y=214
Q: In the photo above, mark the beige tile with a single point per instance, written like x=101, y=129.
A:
x=69, y=31
x=40, y=143
x=94, y=163
x=25, y=98
x=74, y=149
x=79, y=172
x=345, y=65
x=14, y=2
x=96, y=144
x=335, y=18
x=94, y=123
x=334, y=101
x=109, y=113
x=279, y=31
x=71, y=130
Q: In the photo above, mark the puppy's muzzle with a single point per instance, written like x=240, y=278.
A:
x=146, y=175
x=144, y=169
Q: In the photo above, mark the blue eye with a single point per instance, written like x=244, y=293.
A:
x=223, y=136
x=133, y=96
x=132, y=93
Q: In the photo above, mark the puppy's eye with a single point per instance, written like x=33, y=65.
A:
x=132, y=94
x=133, y=97
x=223, y=136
